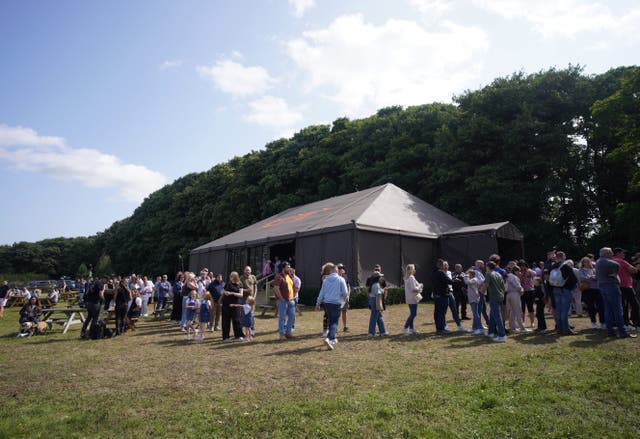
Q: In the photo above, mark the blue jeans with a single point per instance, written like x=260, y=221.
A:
x=563, y=299
x=413, y=311
x=440, y=311
x=495, y=317
x=333, y=312
x=482, y=308
x=477, y=324
x=375, y=318
x=612, y=298
x=454, y=309
x=286, y=310
x=183, y=318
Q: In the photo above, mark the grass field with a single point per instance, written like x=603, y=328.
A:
x=155, y=383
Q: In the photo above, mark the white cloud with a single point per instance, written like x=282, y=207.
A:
x=26, y=150
x=364, y=67
x=301, y=6
x=431, y=7
x=274, y=112
x=170, y=64
x=233, y=78
x=555, y=18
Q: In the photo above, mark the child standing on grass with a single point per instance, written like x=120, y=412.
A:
x=247, y=316
x=192, y=306
x=205, y=314
x=538, y=294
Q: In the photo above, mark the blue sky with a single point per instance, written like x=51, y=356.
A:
x=103, y=102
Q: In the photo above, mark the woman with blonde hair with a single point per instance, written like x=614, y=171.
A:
x=412, y=290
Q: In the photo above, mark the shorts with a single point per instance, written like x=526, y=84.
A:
x=247, y=320
x=527, y=299
x=3, y=302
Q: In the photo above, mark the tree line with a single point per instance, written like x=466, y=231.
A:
x=555, y=152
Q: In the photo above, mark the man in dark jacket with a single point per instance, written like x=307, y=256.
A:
x=440, y=282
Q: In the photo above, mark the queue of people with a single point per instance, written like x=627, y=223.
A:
x=516, y=295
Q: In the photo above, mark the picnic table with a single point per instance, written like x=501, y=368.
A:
x=72, y=316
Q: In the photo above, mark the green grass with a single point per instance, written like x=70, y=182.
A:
x=153, y=383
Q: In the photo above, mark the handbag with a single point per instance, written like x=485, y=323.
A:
x=379, y=304
x=418, y=297
x=583, y=286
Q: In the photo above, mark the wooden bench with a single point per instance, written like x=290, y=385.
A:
x=274, y=308
x=266, y=308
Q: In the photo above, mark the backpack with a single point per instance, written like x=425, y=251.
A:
x=97, y=330
x=555, y=277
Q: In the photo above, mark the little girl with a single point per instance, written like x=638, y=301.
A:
x=247, y=316
x=205, y=314
x=192, y=307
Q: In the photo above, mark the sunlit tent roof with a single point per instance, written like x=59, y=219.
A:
x=385, y=208
x=502, y=230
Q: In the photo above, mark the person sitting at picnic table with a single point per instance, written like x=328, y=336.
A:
x=31, y=312
x=53, y=295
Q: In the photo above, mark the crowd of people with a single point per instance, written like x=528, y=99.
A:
x=517, y=294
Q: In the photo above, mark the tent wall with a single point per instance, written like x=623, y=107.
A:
x=313, y=251
x=378, y=248
x=465, y=249
x=421, y=252
x=215, y=261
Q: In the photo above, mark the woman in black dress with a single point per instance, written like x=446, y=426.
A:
x=232, y=294
x=176, y=311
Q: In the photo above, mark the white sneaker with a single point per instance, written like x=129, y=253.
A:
x=478, y=332
x=526, y=330
x=629, y=328
x=603, y=326
x=328, y=343
x=489, y=334
x=324, y=334
x=463, y=329
x=594, y=325
x=413, y=331
x=406, y=331
x=500, y=339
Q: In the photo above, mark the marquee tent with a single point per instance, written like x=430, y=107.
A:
x=382, y=224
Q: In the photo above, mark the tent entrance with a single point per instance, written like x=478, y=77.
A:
x=285, y=251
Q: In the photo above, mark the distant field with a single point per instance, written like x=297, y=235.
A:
x=154, y=383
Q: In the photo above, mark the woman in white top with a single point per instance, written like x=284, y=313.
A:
x=514, y=303
x=411, y=289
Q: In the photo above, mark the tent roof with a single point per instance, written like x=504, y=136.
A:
x=503, y=230
x=385, y=208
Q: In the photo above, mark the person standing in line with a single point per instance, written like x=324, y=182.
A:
x=93, y=299
x=527, y=276
x=250, y=289
x=630, y=307
x=4, y=296
x=333, y=294
x=216, y=287
x=376, y=304
x=563, y=280
x=122, y=298
x=591, y=294
x=473, y=296
x=297, y=284
x=377, y=277
x=164, y=292
x=607, y=271
x=176, y=311
x=411, y=290
x=514, y=301
x=283, y=289
x=205, y=314
x=451, y=300
x=342, y=271
x=539, y=296
x=478, y=267
x=494, y=286
x=440, y=283
x=231, y=295
x=460, y=291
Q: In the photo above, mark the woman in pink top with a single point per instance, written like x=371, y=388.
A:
x=527, y=276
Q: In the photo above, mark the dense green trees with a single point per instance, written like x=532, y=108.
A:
x=555, y=152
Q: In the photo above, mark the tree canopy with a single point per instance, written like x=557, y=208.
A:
x=555, y=152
